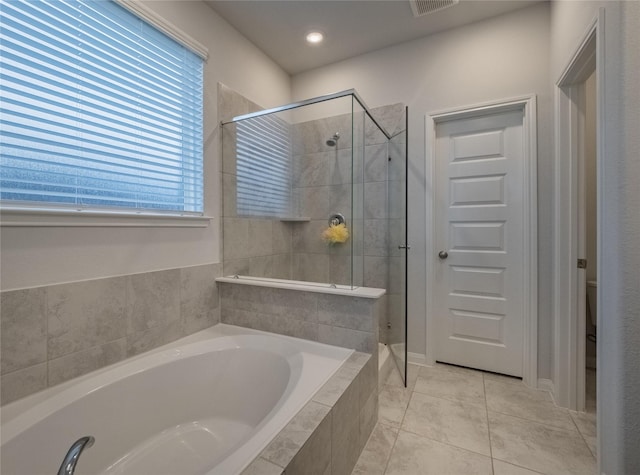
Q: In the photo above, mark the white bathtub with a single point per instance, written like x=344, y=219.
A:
x=208, y=403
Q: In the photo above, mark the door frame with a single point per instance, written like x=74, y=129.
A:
x=570, y=305
x=530, y=203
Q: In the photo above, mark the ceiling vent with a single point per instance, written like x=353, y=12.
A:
x=425, y=7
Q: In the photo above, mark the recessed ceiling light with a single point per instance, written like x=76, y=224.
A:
x=315, y=37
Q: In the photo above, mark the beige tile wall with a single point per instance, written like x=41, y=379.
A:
x=350, y=322
x=54, y=333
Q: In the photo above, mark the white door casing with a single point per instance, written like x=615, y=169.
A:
x=482, y=298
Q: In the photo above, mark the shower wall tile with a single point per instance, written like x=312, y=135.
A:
x=397, y=164
x=236, y=267
x=260, y=237
x=310, y=267
x=23, y=329
x=23, y=382
x=231, y=104
x=261, y=266
x=235, y=238
x=397, y=195
x=229, y=195
x=375, y=205
x=308, y=237
x=81, y=362
x=397, y=236
x=384, y=305
x=376, y=241
x=229, y=150
x=375, y=163
x=281, y=235
x=396, y=275
x=340, y=201
x=312, y=136
x=342, y=168
x=54, y=333
x=276, y=266
x=153, y=299
x=281, y=266
x=312, y=202
x=312, y=170
x=390, y=117
x=376, y=271
x=339, y=269
x=82, y=315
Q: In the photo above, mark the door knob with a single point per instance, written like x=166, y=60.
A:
x=443, y=254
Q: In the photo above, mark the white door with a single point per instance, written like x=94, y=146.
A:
x=478, y=288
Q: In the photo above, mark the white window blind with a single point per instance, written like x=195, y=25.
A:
x=98, y=110
x=263, y=167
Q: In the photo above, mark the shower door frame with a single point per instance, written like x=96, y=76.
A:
x=389, y=137
x=307, y=102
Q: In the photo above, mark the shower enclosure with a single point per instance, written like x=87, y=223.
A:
x=315, y=191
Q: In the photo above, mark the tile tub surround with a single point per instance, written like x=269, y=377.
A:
x=54, y=333
x=341, y=320
x=329, y=433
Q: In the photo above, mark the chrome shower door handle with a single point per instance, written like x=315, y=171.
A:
x=443, y=254
x=404, y=246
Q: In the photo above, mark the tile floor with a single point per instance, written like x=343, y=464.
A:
x=452, y=420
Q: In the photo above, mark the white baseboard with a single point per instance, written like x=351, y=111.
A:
x=547, y=385
x=417, y=358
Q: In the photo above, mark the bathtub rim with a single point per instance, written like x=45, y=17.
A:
x=317, y=287
x=196, y=344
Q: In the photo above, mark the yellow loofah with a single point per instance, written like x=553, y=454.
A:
x=335, y=234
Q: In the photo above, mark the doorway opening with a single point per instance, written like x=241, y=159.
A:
x=578, y=162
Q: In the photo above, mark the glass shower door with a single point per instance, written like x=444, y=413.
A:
x=398, y=248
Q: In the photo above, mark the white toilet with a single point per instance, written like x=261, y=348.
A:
x=592, y=299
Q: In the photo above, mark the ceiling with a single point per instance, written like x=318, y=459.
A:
x=351, y=27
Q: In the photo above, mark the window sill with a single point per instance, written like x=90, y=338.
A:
x=44, y=218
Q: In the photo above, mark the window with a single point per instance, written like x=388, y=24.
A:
x=263, y=167
x=98, y=110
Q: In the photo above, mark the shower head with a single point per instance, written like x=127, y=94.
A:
x=333, y=141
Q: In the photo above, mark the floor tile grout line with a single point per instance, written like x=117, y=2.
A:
x=486, y=413
x=583, y=437
x=436, y=440
x=448, y=444
x=535, y=422
x=448, y=399
x=393, y=447
x=520, y=466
